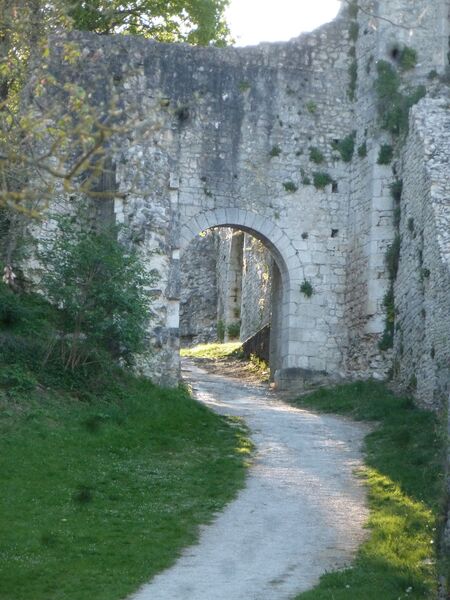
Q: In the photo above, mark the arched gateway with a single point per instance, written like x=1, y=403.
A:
x=286, y=279
x=286, y=141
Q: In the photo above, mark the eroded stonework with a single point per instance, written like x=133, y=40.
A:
x=282, y=142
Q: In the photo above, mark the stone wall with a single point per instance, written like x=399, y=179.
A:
x=422, y=288
x=198, y=291
x=256, y=309
x=251, y=139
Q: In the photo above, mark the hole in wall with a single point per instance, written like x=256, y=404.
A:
x=334, y=233
x=395, y=53
x=334, y=187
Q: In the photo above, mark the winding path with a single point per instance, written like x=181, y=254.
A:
x=300, y=514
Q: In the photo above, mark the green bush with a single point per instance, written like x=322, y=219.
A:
x=99, y=287
x=234, y=330
x=311, y=107
x=290, y=186
x=275, y=151
x=306, y=288
x=321, y=180
x=220, y=330
x=385, y=154
x=16, y=377
x=392, y=257
x=407, y=58
x=346, y=147
x=393, y=105
x=362, y=150
x=316, y=156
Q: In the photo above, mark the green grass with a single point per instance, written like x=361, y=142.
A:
x=404, y=474
x=212, y=351
x=104, y=477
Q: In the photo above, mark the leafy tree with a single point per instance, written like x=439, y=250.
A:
x=100, y=288
x=195, y=21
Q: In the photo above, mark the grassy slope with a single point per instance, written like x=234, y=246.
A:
x=102, y=481
x=405, y=478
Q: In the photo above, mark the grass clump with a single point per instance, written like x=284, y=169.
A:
x=290, y=187
x=404, y=474
x=316, y=156
x=104, y=476
x=306, y=288
x=385, y=155
x=393, y=104
x=275, y=151
x=346, y=147
x=321, y=180
x=407, y=58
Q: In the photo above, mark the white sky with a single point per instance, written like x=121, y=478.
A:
x=254, y=21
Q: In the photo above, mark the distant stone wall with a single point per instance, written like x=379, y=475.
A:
x=198, y=291
x=256, y=306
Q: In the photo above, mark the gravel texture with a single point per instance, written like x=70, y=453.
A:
x=301, y=513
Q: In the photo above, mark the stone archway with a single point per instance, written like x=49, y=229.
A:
x=289, y=273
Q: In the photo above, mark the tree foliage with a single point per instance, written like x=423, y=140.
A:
x=100, y=288
x=195, y=21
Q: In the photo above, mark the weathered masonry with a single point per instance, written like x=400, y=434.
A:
x=297, y=144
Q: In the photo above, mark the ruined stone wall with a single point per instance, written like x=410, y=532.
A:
x=422, y=288
x=251, y=138
x=198, y=291
x=256, y=306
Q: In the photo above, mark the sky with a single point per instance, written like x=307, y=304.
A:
x=254, y=21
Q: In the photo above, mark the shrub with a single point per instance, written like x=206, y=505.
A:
x=306, y=288
x=353, y=74
x=316, y=156
x=100, y=289
x=290, y=186
x=321, y=180
x=220, y=328
x=276, y=151
x=385, y=154
x=392, y=257
x=362, y=150
x=393, y=105
x=311, y=107
x=234, y=330
x=407, y=58
x=346, y=147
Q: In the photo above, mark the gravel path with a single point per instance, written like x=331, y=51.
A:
x=300, y=514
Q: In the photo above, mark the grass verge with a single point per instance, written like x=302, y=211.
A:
x=104, y=477
x=404, y=474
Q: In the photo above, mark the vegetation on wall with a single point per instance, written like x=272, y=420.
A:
x=393, y=104
x=306, y=288
x=321, y=180
x=385, y=154
x=345, y=147
x=290, y=186
x=275, y=151
x=316, y=156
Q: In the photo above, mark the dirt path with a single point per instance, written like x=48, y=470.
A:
x=300, y=514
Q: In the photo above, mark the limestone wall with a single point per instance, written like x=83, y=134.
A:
x=256, y=309
x=422, y=289
x=198, y=291
x=250, y=138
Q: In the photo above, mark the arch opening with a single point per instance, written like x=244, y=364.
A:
x=247, y=291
